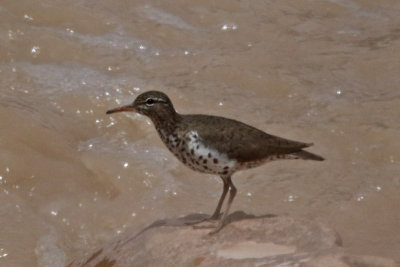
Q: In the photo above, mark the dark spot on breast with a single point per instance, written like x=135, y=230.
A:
x=226, y=167
x=192, y=151
x=201, y=157
x=209, y=155
x=225, y=172
x=184, y=160
x=205, y=161
x=215, y=160
x=182, y=149
x=197, y=147
x=205, y=167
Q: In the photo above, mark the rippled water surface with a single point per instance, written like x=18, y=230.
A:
x=72, y=178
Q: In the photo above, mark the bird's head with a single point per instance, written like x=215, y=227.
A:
x=152, y=104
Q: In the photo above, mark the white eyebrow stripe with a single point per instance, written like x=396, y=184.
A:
x=160, y=100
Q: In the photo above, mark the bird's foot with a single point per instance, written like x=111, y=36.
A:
x=218, y=226
x=214, y=217
x=212, y=222
x=217, y=229
x=208, y=226
x=210, y=219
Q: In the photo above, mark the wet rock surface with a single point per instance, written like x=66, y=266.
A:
x=246, y=241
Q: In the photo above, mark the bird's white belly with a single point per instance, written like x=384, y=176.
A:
x=192, y=152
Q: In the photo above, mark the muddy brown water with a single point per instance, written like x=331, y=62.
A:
x=72, y=178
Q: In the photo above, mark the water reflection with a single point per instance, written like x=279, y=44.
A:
x=72, y=177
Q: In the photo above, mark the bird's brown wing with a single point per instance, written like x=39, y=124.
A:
x=240, y=141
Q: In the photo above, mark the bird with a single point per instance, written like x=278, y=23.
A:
x=213, y=144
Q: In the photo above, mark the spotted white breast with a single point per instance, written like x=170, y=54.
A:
x=189, y=149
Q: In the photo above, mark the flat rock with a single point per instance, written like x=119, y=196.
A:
x=246, y=241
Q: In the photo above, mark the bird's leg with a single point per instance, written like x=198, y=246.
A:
x=217, y=211
x=232, y=193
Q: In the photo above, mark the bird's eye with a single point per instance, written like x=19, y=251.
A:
x=150, y=101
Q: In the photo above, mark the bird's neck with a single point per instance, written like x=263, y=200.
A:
x=166, y=123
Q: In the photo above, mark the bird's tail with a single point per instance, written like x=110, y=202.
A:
x=302, y=154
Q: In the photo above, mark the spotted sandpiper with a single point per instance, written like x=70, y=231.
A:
x=215, y=145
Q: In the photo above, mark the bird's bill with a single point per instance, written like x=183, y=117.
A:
x=121, y=109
